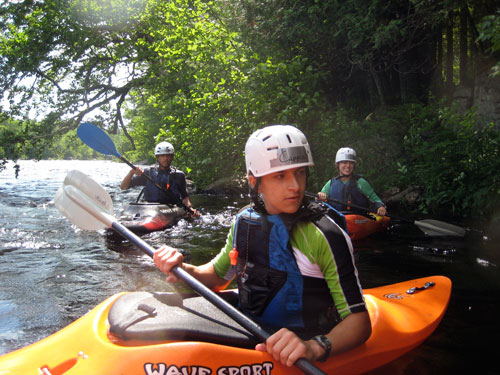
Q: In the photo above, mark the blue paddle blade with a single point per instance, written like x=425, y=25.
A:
x=97, y=139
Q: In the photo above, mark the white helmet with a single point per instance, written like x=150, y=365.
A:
x=276, y=148
x=345, y=154
x=163, y=148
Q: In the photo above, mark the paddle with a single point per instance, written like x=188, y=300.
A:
x=433, y=228
x=97, y=139
x=87, y=205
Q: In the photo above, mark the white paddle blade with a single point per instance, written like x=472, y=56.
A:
x=84, y=202
x=75, y=213
x=438, y=228
x=90, y=188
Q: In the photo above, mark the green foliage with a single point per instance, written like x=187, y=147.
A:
x=490, y=33
x=455, y=158
x=376, y=140
x=350, y=42
x=205, y=74
x=211, y=92
x=22, y=139
x=29, y=140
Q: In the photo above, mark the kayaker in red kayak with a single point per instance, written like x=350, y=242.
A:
x=292, y=261
x=169, y=185
x=349, y=187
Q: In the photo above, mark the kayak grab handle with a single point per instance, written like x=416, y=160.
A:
x=427, y=285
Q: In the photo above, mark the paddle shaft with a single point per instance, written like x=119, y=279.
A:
x=311, y=195
x=302, y=363
x=430, y=227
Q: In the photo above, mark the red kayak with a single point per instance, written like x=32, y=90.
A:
x=359, y=226
x=143, y=218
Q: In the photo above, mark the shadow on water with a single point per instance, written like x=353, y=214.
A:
x=51, y=273
x=466, y=339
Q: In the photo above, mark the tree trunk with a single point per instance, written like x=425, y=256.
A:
x=378, y=84
x=403, y=86
x=437, y=80
x=449, y=53
x=372, y=91
x=439, y=56
x=464, y=60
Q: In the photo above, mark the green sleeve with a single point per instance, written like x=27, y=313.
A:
x=221, y=262
x=368, y=191
x=326, y=188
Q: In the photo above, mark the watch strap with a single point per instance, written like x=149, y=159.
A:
x=326, y=344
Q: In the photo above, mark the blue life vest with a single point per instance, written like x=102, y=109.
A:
x=271, y=288
x=348, y=193
x=165, y=179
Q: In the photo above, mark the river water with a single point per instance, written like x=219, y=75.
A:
x=51, y=272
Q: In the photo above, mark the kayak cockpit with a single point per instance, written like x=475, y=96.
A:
x=151, y=317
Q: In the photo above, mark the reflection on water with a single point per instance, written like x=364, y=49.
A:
x=52, y=273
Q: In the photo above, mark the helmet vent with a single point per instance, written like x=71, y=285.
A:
x=266, y=138
x=289, y=139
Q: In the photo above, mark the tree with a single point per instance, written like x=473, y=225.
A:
x=67, y=59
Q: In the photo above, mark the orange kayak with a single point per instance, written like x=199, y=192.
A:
x=359, y=226
x=136, y=345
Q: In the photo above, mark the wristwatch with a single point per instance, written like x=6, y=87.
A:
x=326, y=344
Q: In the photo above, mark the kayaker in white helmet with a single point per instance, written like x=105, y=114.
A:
x=166, y=184
x=291, y=258
x=349, y=187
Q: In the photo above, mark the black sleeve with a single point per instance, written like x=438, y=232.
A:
x=139, y=180
x=180, y=180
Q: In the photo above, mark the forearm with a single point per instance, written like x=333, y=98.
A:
x=187, y=202
x=287, y=347
x=126, y=180
x=206, y=275
x=354, y=330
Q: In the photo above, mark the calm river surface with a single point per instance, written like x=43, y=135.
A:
x=51, y=273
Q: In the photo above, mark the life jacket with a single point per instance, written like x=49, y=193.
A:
x=348, y=193
x=271, y=288
x=165, y=179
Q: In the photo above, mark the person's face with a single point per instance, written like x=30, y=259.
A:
x=283, y=191
x=164, y=160
x=345, y=167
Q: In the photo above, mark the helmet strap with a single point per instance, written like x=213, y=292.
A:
x=255, y=196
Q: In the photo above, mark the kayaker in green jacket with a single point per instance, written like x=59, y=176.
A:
x=291, y=258
x=350, y=188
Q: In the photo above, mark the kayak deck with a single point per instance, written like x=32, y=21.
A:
x=400, y=322
x=149, y=217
